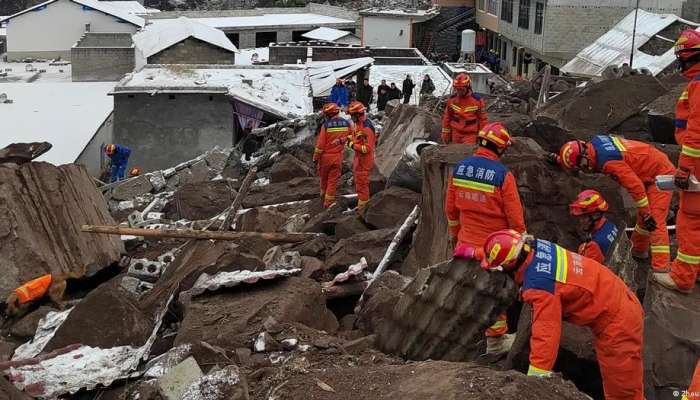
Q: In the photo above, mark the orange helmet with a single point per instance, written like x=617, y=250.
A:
x=110, y=149
x=497, y=134
x=462, y=81
x=571, y=153
x=588, y=202
x=356, y=108
x=136, y=171
x=688, y=44
x=502, y=249
x=331, y=109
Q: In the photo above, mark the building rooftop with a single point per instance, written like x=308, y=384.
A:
x=613, y=47
x=132, y=7
x=397, y=73
x=326, y=34
x=324, y=73
x=66, y=114
x=102, y=6
x=418, y=15
x=159, y=36
x=272, y=20
x=281, y=91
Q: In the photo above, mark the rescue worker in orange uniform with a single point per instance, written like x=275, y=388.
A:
x=560, y=284
x=686, y=267
x=465, y=113
x=329, y=151
x=482, y=197
x=362, y=141
x=20, y=299
x=635, y=166
x=590, y=207
x=693, y=392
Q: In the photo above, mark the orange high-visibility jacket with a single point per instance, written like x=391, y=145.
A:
x=693, y=392
x=34, y=289
x=363, y=143
x=332, y=137
x=600, y=241
x=688, y=123
x=482, y=198
x=633, y=164
x=562, y=285
x=463, y=118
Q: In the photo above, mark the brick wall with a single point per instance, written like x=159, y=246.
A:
x=101, y=64
x=192, y=51
x=98, y=39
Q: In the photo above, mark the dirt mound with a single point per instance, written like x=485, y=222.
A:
x=433, y=380
x=601, y=106
x=231, y=318
x=204, y=200
x=42, y=208
x=442, y=313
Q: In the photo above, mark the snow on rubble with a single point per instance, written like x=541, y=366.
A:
x=282, y=91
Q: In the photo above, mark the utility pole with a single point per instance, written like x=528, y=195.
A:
x=634, y=34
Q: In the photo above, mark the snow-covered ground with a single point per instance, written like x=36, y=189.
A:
x=282, y=91
x=19, y=72
x=66, y=114
x=245, y=56
x=397, y=74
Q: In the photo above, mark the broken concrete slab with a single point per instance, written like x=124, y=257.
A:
x=216, y=160
x=232, y=318
x=232, y=279
x=203, y=200
x=431, y=380
x=199, y=172
x=276, y=258
x=227, y=383
x=20, y=153
x=372, y=245
x=261, y=220
x=288, y=167
x=131, y=188
x=176, y=381
x=442, y=313
x=42, y=208
x=671, y=339
x=275, y=193
x=389, y=208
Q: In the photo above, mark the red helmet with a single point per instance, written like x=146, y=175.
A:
x=356, y=108
x=110, y=149
x=462, y=81
x=571, y=153
x=136, y=171
x=588, y=202
x=331, y=109
x=497, y=134
x=688, y=44
x=502, y=249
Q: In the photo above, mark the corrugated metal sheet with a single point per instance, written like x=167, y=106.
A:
x=613, y=48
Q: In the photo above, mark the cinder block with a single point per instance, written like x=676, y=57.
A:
x=145, y=270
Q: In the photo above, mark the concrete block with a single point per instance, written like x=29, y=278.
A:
x=276, y=258
x=172, y=386
x=132, y=188
x=145, y=270
x=135, y=219
x=216, y=160
x=157, y=179
x=131, y=284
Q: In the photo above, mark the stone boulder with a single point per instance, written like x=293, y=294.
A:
x=283, y=192
x=372, y=245
x=379, y=301
x=25, y=328
x=131, y=188
x=231, y=318
x=671, y=340
x=346, y=226
x=288, y=167
x=389, y=208
x=42, y=208
x=204, y=200
x=261, y=220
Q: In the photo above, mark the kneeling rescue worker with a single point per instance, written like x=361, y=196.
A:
x=686, y=267
x=482, y=197
x=635, y=166
x=362, y=141
x=560, y=284
x=590, y=208
x=465, y=113
x=329, y=151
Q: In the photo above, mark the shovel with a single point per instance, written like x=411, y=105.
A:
x=665, y=183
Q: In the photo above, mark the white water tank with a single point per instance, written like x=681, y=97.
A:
x=468, y=41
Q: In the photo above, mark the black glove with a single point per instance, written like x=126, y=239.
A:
x=552, y=158
x=682, y=179
x=649, y=223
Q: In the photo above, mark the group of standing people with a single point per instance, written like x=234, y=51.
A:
x=344, y=92
x=486, y=220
